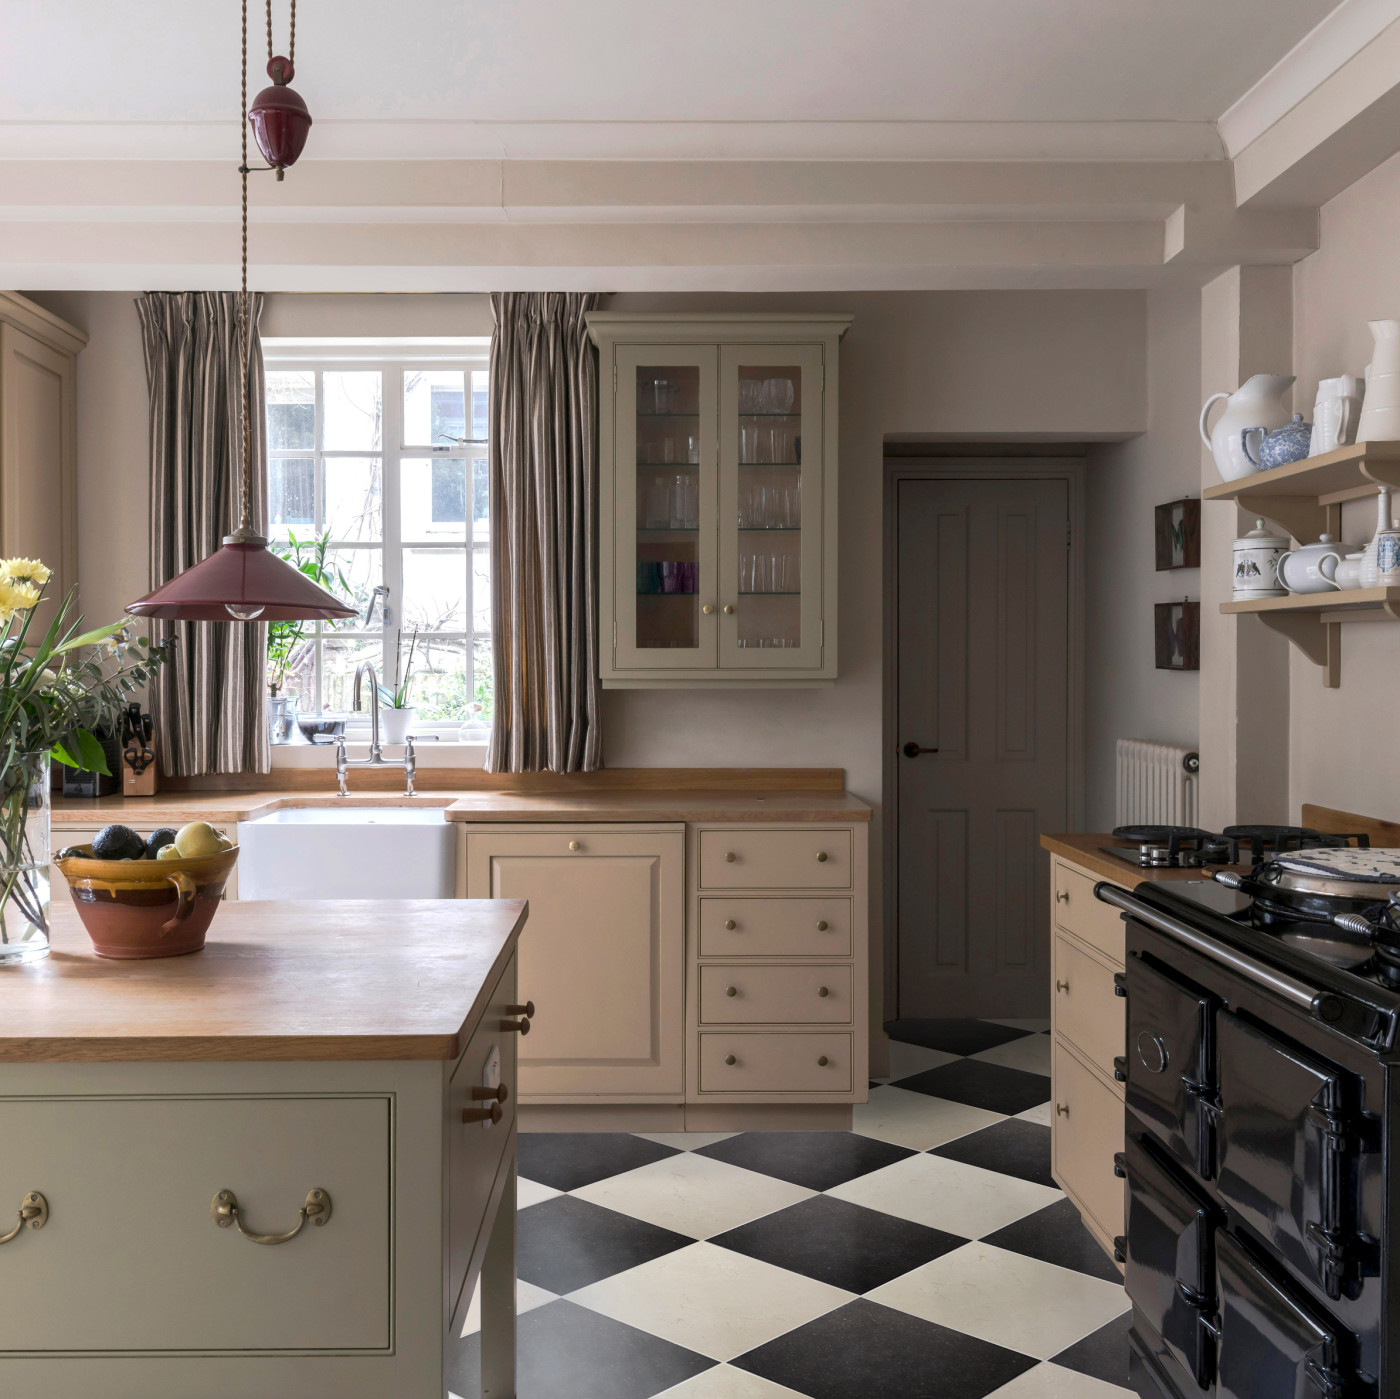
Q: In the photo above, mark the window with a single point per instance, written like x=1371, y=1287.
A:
x=377, y=472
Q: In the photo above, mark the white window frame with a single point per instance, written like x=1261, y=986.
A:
x=393, y=358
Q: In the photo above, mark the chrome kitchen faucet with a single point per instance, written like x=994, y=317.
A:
x=376, y=757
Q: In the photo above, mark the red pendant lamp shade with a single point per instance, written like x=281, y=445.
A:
x=244, y=582
x=280, y=119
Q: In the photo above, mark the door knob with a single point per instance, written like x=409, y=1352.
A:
x=912, y=750
x=728, y=609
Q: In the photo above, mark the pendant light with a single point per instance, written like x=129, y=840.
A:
x=244, y=581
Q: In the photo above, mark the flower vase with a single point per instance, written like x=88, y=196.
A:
x=24, y=858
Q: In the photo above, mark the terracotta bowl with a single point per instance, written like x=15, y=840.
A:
x=146, y=908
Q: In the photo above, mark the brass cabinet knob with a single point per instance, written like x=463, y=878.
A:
x=498, y=1094
x=527, y=1010
x=708, y=609
x=822, y=925
x=521, y=1026
x=821, y=857
x=730, y=856
x=574, y=845
x=728, y=609
x=731, y=990
x=822, y=991
x=1061, y=1109
x=730, y=1059
x=1061, y=896
x=493, y=1114
x=823, y=1061
x=730, y=924
x=1062, y=986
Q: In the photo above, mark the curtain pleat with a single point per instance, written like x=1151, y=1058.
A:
x=544, y=532
x=208, y=704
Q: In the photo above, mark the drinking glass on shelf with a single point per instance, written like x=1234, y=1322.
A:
x=668, y=448
x=677, y=512
x=692, y=450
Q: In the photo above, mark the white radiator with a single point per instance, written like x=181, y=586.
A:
x=1156, y=783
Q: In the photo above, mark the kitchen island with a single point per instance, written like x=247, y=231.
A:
x=273, y=1168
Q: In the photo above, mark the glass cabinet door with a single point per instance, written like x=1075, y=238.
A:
x=664, y=525
x=770, y=506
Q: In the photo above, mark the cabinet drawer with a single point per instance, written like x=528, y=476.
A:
x=131, y=1258
x=1085, y=1138
x=475, y=1148
x=746, y=995
x=1079, y=912
x=775, y=1063
x=1085, y=1007
x=775, y=927
x=740, y=859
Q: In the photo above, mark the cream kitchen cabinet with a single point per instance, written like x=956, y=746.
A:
x=604, y=961
x=718, y=499
x=38, y=439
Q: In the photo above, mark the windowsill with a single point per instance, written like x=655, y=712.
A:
x=430, y=754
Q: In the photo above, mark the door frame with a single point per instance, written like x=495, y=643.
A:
x=970, y=467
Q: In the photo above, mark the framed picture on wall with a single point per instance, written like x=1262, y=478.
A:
x=1177, y=627
x=1179, y=535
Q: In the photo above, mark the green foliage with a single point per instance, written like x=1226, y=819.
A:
x=309, y=557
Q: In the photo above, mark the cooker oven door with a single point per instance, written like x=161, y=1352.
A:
x=1271, y=1343
x=1171, y=1064
x=1289, y=1143
x=1168, y=1269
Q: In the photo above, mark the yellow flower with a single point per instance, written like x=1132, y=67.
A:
x=25, y=571
x=17, y=597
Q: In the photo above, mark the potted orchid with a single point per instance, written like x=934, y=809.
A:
x=54, y=693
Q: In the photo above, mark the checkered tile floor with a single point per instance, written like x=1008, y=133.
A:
x=925, y=1255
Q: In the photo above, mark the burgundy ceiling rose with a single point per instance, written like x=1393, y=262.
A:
x=279, y=118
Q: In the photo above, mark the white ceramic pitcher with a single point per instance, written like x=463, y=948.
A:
x=1258, y=402
x=1380, y=410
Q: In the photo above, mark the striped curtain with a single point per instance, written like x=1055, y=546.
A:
x=544, y=535
x=208, y=704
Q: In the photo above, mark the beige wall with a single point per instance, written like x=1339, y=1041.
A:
x=1342, y=746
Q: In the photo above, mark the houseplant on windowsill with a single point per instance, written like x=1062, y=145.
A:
x=53, y=695
x=284, y=639
x=395, y=712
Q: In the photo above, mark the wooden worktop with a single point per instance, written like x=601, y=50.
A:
x=1085, y=851
x=586, y=804
x=332, y=979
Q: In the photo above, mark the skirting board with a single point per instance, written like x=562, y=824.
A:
x=692, y=1117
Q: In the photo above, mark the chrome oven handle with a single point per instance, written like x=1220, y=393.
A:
x=1322, y=1004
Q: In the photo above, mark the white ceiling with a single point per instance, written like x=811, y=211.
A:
x=384, y=76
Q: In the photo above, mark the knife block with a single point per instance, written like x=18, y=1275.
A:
x=142, y=784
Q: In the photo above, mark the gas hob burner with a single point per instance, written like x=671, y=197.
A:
x=1250, y=844
x=1168, y=847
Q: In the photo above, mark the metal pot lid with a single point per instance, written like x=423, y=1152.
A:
x=1370, y=867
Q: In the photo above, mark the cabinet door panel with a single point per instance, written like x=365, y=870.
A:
x=602, y=958
x=1088, y=1130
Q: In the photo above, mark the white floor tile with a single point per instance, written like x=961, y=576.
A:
x=1030, y=1052
x=947, y=1195
x=1042, y=1113
x=531, y=1192
x=1006, y=1298
x=1033, y=1025
x=916, y=1120
x=1049, y=1381
x=909, y=1059
x=725, y=1382
x=693, y=1195
x=711, y=1300
x=685, y=1141
x=527, y=1298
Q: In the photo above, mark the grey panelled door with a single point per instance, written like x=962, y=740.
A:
x=983, y=678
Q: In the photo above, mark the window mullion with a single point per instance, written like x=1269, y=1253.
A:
x=392, y=506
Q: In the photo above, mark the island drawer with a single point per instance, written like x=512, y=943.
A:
x=767, y=859
x=1077, y=911
x=775, y=927
x=1087, y=1011
x=739, y=1062
x=749, y=995
x=131, y=1257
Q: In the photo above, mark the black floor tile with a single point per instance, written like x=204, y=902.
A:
x=1103, y=1353
x=568, y=1352
x=1057, y=1235
x=818, y=1160
x=953, y=1036
x=864, y=1349
x=839, y=1243
x=1014, y=1148
x=982, y=1085
x=566, y=1243
x=569, y=1160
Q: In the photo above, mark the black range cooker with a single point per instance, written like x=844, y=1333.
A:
x=1262, y=1141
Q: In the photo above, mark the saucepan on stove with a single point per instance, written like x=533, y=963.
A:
x=1319, y=885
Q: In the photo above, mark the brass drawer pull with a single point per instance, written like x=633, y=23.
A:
x=521, y=1026
x=498, y=1094
x=708, y=609
x=527, y=1010
x=1061, y=1109
x=823, y=1061
x=574, y=845
x=730, y=924
x=823, y=991
x=1062, y=986
x=224, y=1208
x=731, y=990
x=34, y=1212
x=493, y=1114
x=1061, y=896
x=730, y=1059
x=822, y=925
x=822, y=857
x=730, y=856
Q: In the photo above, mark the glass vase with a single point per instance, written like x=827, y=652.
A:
x=24, y=858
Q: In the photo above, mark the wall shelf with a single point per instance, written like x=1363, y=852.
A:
x=1310, y=620
x=1306, y=497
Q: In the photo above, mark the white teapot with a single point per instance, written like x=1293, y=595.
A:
x=1311, y=569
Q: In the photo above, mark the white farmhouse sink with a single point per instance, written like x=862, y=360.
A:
x=340, y=853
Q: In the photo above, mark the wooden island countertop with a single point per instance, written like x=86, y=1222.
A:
x=364, y=980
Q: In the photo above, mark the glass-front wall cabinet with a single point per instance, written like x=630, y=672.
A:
x=718, y=505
